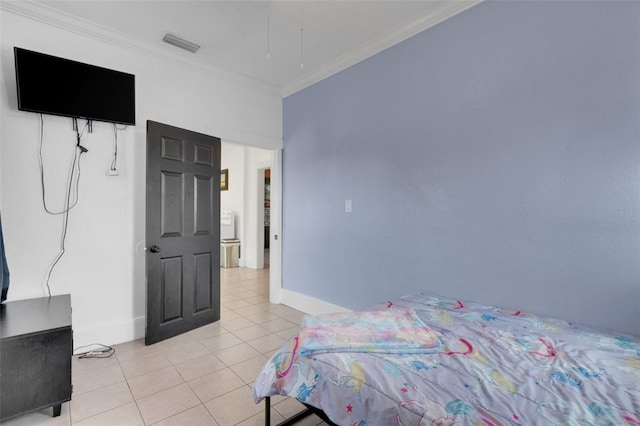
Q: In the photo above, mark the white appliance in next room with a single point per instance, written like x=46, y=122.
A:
x=227, y=225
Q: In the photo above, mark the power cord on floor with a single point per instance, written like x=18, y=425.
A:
x=101, y=351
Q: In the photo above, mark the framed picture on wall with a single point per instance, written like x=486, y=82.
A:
x=224, y=179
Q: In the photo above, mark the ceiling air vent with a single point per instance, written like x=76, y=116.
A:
x=182, y=44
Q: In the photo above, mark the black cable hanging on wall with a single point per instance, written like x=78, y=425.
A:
x=114, y=163
x=75, y=165
x=98, y=350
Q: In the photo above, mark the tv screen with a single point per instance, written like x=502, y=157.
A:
x=51, y=85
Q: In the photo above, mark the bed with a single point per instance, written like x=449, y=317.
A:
x=493, y=367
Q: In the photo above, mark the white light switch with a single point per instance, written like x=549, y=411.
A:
x=347, y=206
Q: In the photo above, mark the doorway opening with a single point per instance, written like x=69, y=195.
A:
x=249, y=196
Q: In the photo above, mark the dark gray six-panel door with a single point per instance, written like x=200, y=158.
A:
x=183, y=231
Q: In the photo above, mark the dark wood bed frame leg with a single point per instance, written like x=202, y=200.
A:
x=57, y=409
x=287, y=422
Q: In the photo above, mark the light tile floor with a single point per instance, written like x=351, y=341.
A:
x=202, y=377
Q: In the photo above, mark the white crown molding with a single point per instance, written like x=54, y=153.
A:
x=38, y=11
x=367, y=50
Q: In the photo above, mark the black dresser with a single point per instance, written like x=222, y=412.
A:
x=36, y=346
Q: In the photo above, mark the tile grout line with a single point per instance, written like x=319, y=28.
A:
x=253, y=309
x=135, y=401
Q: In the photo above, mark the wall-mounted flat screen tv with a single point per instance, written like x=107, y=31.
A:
x=52, y=85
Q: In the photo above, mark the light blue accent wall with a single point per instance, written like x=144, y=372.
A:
x=494, y=157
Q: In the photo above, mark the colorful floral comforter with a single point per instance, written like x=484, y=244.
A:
x=381, y=331
x=494, y=367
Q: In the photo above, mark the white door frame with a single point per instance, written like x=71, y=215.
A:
x=275, y=242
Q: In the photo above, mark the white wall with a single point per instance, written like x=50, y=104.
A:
x=232, y=158
x=256, y=160
x=103, y=267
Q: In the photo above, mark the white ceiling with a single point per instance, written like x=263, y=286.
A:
x=325, y=36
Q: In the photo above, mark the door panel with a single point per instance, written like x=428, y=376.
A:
x=172, y=197
x=202, y=295
x=203, y=155
x=183, y=236
x=171, y=289
x=172, y=149
x=203, y=205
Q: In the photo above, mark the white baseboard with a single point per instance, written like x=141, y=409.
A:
x=114, y=332
x=110, y=333
x=307, y=304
